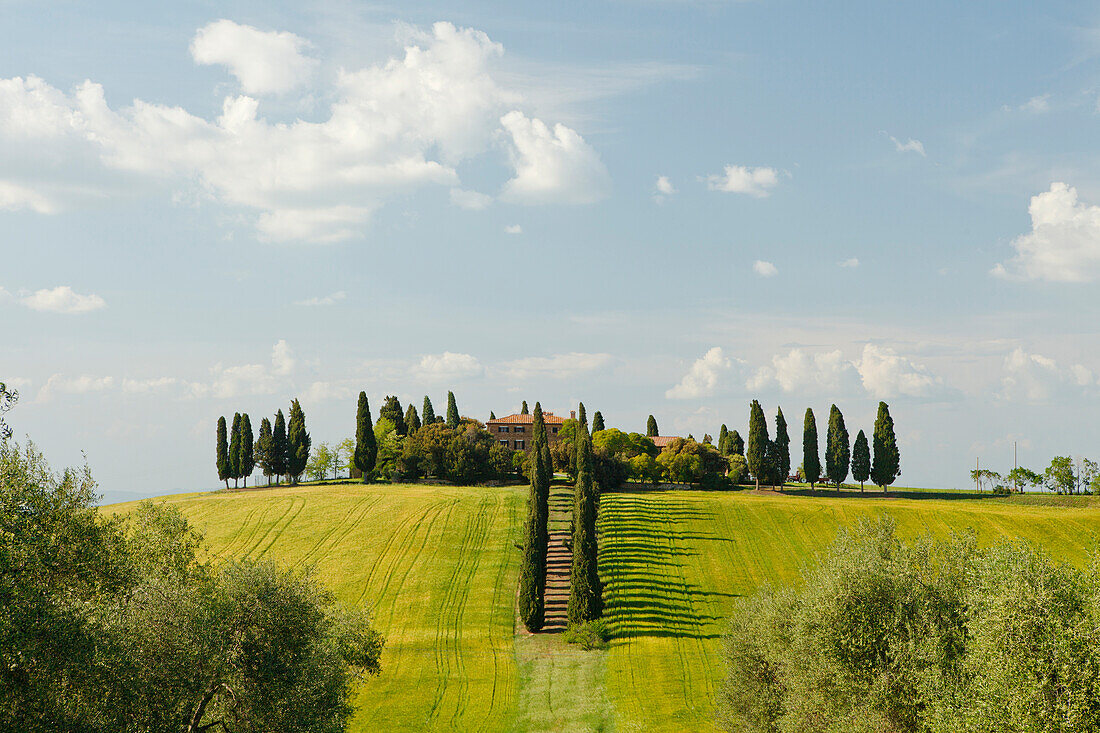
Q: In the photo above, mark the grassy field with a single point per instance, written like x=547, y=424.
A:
x=439, y=567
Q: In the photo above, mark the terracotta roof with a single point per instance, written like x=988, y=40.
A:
x=547, y=417
x=662, y=440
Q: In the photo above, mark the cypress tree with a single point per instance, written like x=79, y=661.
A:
x=837, y=448
x=585, y=602
x=366, y=447
x=263, y=449
x=582, y=415
x=651, y=427
x=723, y=441
x=523, y=410
x=756, y=456
x=861, y=460
x=783, y=449
x=737, y=445
x=452, y=411
x=597, y=422
x=427, y=414
x=532, y=591
x=887, y=460
x=492, y=415
x=391, y=410
x=297, y=442
x=278, y=446
x=412, y=420
x=223, y=453
x=235, y=449
x=246, y=459
x=811, y=460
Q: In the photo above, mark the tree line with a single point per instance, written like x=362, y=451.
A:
x=1064, y=475
x=282, y=450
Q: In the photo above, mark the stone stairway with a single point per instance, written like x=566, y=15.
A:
x=559, y=558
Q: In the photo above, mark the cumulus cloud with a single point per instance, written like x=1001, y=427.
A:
x=662, y=189
x=552, y=165
x=764, y=268
x=61, y=299
x=390, y=128
x=83, y=384
x=886, y=374
x=756, y=182
x=323, y=300
x=557, y=366
x=1037, y=104
x=470, y=199
x=909, y=146
x=703, y=377
x=1037, y=378
x=1063, y=244
x=263, y=62
x=448, y=365
x=513, y=229
x=800, y=371
x=148, y=386
x=250, y=379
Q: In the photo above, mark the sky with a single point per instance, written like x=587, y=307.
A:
x=658, y=207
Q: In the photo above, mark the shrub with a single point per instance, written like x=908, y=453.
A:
x=590, y=635
x=611, y=470
x=933, y=636
x=739, y=469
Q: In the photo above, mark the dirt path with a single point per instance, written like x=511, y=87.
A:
x=559, y=558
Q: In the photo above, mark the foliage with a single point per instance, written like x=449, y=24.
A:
x=235, y=448
x=625, y=445
x=366, y=447
x=756, y=453
x=1059, y=476
x=1021, y=478
x=452, y=412
x=645, y=468
x=278, y=445
x=246, y=458
x=611, y=469
x=686, y=461
x=322, y=460
x=886, y=458
x=563, y=449
x=837, y=449
x=263, y=448
x=391, y=410
x=811, y=459
x=532, y=587
x=390, y=449
x=412, y=419
x=597, y=422
x=585, y=593
x=929, y=636
x=427, y=412
x=113, y=624
x=782, y=463
x=523, y=409
x=466, y=456
x=224, y=469
x=723, y=440
x=861, y=459
x=591, y=635
x=8, y=398
x=651, y=427
x=736, y=444
x=297, y=442
x=738, y=469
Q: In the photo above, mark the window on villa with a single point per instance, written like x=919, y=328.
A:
x=555, y=429
x=502, y=428
x=520, y=444
x=504, y=443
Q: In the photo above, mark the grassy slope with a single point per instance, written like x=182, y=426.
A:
x=440, y=566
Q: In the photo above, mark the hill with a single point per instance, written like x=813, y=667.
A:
x=439, y=566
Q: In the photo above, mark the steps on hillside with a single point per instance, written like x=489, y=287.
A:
x=559, y=559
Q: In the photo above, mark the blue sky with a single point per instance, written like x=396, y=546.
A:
x=654, y=207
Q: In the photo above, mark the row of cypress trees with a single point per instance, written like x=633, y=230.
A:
x=365, y=456
x=769, y=460
x=282, y=450
x=585, y=592
x=536, y=533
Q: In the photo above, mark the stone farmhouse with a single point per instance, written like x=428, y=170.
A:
x=515, y=431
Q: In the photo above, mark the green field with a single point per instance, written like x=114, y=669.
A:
x=439, y=564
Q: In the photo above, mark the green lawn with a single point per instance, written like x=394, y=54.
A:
x=439, y=566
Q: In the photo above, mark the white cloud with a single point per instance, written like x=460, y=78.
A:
x=849, y=263
x=702, y=379
x=1037, y=378
x=513, y=229
x=251, y=379
x=742, y=179
x=330, y=299
x=1037, y=104
x=61, y=299
x=60, y=384
x=552, y=165
x=910, y=146
x=797, y=370
x=663, y=188
x=397, y=126
x=282, y=358
x=470, y=199
x=327, y=391
x=148, y=386
x=448, y=365
x=764, y=268
x=557, y=366
x=1063, y=244
x=886, y=374
x=263, y=62
x=14, y=197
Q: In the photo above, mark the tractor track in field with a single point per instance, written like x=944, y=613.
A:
x=495, y=610
x=344, y=527
x=282, y=523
